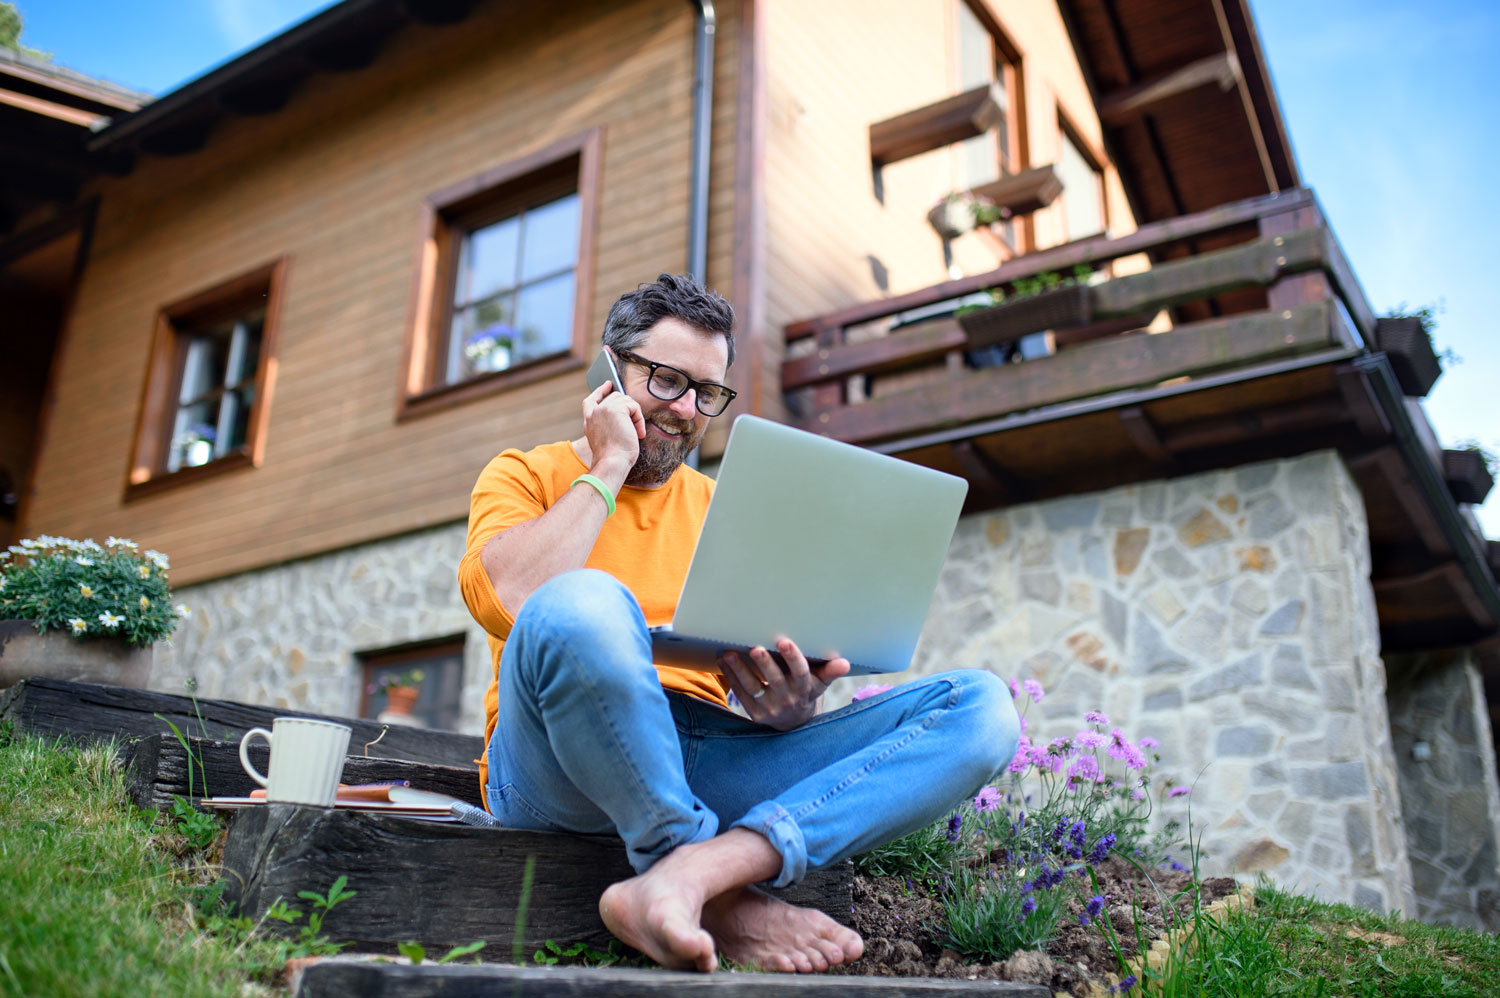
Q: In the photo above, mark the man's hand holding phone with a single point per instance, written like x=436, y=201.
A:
x=612, y=422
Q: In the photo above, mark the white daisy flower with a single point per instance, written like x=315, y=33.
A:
x=145, y=603
x=158, y=559
x=85, y=562
x=109, y=620
x=78, y=624
x=144, y=571
x=183, y=610
x=85, y=591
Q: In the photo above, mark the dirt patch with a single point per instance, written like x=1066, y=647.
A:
x=901, y=923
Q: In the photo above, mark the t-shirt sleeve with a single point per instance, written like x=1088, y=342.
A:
x=508, y=492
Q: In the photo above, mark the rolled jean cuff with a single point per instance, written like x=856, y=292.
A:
x=785, y=835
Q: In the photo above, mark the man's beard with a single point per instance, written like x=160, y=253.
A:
x=659, y=458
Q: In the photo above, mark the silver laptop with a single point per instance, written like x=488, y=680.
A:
x=834, y=546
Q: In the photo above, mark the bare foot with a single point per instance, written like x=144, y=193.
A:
x=653, y=914
x=755, y=929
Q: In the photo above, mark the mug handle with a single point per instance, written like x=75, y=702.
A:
x=245, y=754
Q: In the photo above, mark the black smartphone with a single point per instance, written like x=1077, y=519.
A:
x=603, y=369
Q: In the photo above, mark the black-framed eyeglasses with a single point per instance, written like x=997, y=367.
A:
x=669, y=384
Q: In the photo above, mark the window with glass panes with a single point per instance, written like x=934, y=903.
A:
x=216, y=393
x=1083, y=190
x=988, y=157
x=513, y=289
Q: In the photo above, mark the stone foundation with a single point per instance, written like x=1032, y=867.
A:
x=1445, y=759
x=1230, y=616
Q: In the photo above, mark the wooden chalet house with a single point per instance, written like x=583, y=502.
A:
x=279, y=318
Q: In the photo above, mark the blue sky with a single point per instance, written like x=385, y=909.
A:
x=1389, y=103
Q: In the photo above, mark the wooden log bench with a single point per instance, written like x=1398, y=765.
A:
x=156, y=770
x=92, y=711
x=445, y=884
x=336, y=978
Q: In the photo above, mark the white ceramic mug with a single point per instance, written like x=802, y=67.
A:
x=307, y=759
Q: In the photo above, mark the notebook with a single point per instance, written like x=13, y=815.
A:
x=831, y=545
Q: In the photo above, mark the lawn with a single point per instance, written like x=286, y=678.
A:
x=101, y=898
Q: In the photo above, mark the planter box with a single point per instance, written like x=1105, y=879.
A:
x=1025, y=192
x=1410, y=352
x=1008, y=321
x=951, y=219
x=1468, y=478
x=25, y=653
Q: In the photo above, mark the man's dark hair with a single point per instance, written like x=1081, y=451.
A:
x=678, y=296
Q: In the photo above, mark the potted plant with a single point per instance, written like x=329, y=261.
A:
x=401, y=691
x=81, y=610
x=1469, y=471
x=1047, y=301
x=489, y=349
x=960, y=211
x=1405, y=337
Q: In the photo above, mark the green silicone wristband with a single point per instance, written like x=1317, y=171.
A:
x=609, y=499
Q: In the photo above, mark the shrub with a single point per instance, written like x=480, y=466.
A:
x=86, y=589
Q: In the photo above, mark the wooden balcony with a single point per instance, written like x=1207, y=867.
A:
x=1259, y=347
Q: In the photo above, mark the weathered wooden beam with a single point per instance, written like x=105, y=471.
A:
x=446, y=884
x=1359, y=398
x=1090, y=369
x=943, y=123
x=157, y=770
x=338, y=978
x=1094, y=251
x=1144, y=434
x=995, y=484
x=1220, y=431
x=1025, y=192
x=1447, y=576
x=1384, y=468
x=907, y=347
x=1128, y=103
x=94, y=712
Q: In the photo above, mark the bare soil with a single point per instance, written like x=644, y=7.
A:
x=901, y=923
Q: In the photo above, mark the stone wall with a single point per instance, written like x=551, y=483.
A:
x=1228, y=615
x=1445, y=759
x=288, y=636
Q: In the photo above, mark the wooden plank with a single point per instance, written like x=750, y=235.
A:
x=1207, y=275
x=446, y=884
x=1091, y=369
x=904, y=348
x=939, y=124
x=1128, y=103
x=1024, y=192
x=339, y=977
x=1097, y=250
x=93, y=712
x=156, y=770
x=1145, y=435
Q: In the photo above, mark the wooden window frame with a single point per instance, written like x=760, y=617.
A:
x=1067, y=131
x=155, y=417
x=401, y=657
x=1013, y=82
x=445, y=217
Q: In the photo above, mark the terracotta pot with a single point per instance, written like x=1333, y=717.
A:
x=25, y=653
x=401, y=699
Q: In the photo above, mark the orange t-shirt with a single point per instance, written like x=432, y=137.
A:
x=646, y=544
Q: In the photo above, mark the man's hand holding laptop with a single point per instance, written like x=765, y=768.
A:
x=776, y=695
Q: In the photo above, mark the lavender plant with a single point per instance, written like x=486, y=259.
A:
x=87, y=589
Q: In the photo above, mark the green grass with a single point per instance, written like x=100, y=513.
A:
x=1289, y=946
x=102, y=899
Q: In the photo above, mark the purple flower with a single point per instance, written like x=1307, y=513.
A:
x=1084, y=767
x=1101, y=849
x=988, y=799
x=1149, y=742
x=865, y=692
x=1015, y=688
x=1096, y=717
x=1091, y=739
x=954, y=824
x=1083, y=918
x=1077, y=833
x=1034, y=688
x=1125, y=985
x=1179, y=791
x=1095, y=905
x=1028, y=906
x=1121, y=748
x=1057, y=831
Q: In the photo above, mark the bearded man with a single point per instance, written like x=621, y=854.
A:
x=574, y=550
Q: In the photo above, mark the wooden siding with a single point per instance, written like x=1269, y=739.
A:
x=823, y=219
x=334, y=184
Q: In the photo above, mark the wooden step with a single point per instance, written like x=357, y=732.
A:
x=337, y=978
x=156, y=770
x=445, y=884
x=92, y=711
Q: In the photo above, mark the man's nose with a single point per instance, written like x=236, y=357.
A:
x=685, y=406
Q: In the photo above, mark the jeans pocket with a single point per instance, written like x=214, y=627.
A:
x=515, y=811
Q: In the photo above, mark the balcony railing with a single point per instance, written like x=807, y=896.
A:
x=1244, y=284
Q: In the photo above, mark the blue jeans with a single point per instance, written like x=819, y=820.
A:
x=588, y=742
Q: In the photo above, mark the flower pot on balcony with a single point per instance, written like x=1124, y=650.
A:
x=399, y=703
x=1016, y=317
x=1468, y=477
x=951, y=218
x=25, y=653
x=1409, y=349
